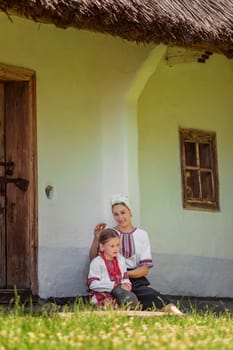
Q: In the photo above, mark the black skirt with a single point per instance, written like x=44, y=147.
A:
x=148, y=297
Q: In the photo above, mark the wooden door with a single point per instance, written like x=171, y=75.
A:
x=17, y=210
x=2, y=193
x=18, y=244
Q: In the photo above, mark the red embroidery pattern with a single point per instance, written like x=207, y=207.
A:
x=113, y=269
x=90, y=280
x=105, y=298
x=125, y=276
x=147, y=262
x=127, y=245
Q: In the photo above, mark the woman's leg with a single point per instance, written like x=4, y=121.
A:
x=171, y=309
x=150, y=297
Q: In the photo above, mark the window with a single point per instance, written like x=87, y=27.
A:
x=199, y=169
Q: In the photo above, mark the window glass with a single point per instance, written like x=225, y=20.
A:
x=190, y=153
x=207, y=186
x=204, y=154
x=192, y=185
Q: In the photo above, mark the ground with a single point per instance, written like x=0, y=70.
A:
x=187, y=304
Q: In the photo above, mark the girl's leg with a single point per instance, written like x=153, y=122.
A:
x=103, y=300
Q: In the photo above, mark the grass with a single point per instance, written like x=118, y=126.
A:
x=47, y=328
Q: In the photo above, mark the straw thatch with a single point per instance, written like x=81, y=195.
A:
x=204, y=24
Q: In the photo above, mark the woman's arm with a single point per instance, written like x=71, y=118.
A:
x=93, y=252
x=144, y=257
x=140, y=271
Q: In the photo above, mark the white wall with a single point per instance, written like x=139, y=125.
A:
x=88, y=86
x=82, y=79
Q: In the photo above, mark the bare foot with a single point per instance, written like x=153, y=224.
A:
x=172, y=310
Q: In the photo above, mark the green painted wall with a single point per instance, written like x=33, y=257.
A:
x=189, y=95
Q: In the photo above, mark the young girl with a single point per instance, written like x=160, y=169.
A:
x=135, y=247
x=107, y=270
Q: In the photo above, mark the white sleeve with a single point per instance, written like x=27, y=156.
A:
x=98, y=279
x=145, y=251
x=125, y=277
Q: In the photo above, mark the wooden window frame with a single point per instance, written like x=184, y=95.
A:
x=199, y=137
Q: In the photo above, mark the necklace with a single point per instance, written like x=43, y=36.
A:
x=115, y=270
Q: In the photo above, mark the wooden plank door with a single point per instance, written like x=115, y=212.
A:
x=18, y=204
x=17, y=145
x=2, y=194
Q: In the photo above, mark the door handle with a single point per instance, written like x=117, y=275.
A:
x=22, y=184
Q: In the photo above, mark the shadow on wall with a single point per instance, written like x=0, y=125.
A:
x=192, y=275
x=63, y=272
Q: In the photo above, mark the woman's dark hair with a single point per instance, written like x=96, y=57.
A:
x=106, y=234
x=120, y=203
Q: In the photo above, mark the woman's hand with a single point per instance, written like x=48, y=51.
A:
x=126, y=286
x=93, y=252
x=98, y=229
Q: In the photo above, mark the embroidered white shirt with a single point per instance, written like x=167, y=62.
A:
x=135, y=247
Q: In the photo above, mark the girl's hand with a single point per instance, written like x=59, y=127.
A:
x=126, y=286
x=99, y=228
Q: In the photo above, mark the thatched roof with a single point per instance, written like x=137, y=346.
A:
x=204, y=24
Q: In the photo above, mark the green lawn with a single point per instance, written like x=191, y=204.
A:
x=87, y=330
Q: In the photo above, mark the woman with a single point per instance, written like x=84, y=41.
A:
x=135, y=247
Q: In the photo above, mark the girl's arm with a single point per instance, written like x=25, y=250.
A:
x=98, y=279
x=93, y=252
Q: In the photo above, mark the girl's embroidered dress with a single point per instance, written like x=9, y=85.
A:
x=103, y=276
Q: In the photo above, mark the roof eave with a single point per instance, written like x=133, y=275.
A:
x=129, y=32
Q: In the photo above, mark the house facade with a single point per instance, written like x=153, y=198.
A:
x=105, y=119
